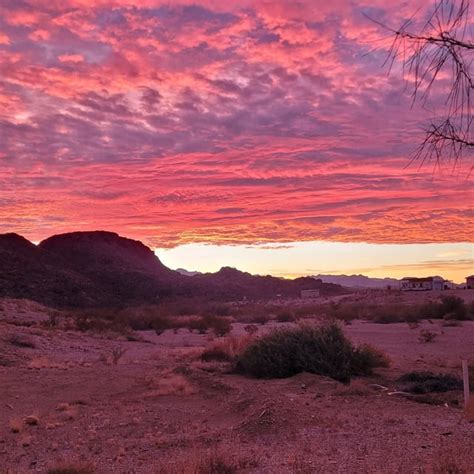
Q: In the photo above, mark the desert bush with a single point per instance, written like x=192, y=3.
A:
x=320, y=350
x=429, y=310
x=252, y=314
x=347, y=311
x=220, y=325
x=251, y=329
x=52, y=321
x=427, y=336
x=285, y=317
x=218, y=310
x=307, y=311
x=388, y=315
x=450, y=320
x=216, y=465
x=428, y=382
x=454, y=306
x=161, y=323
x=260, y=319
x=198, y=324
x=100, y=320
x=21, y=340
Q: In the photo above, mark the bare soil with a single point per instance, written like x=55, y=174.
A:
x=160, y=409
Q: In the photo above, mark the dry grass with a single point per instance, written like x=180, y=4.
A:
x=31, y=420
x=356, y=388
x=67, y=411
x=452, y=461
x=71, y=467
x=21, y=340
x=226, y=349
x=44, y=362
x=215, y=461
x=16, y=425
x=170, y=384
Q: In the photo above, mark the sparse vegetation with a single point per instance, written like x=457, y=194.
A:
x=427, y=336
x=16, y=425
x=220, y=325
x=207, y=463
x=451, y=461
x=449, y=307
x=367, y=357
x=320, y=350
x=21, y=340
x=251, y=329
x=173, y=384
x=285, y=317
x=429, y=382
x=71, y=468
x=117, y=353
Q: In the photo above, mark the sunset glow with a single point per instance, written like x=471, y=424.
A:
x=263, y=135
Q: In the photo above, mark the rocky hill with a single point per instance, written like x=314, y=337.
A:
x=86, y=269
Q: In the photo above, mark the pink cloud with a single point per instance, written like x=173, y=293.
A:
x=224, y=122
x=71, y=58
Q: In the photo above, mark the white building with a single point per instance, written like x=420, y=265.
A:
x=422, y=284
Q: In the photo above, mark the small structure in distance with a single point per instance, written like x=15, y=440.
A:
x=470, y=282
x=422, y=284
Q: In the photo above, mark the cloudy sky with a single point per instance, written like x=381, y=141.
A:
x=262, y=134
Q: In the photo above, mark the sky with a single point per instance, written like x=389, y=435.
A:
x=266, y=135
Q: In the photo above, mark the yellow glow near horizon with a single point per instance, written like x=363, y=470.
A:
x=452, y=261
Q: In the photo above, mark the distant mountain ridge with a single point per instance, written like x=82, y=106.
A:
x=99, y=269
x=359, y=281
x=183, y=271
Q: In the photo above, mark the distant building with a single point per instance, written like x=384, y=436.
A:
x=309, y=294
x=422, y=284
x=470, y=282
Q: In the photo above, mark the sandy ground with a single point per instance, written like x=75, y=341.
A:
x=159, y=409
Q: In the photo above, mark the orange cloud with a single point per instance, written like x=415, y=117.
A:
x=224, y=122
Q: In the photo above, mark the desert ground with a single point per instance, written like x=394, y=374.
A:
x=103, y=403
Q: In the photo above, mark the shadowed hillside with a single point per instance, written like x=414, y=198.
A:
x=86, y=269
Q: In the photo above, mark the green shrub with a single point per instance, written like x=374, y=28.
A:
x=220, y=325
x=453, y=305
x=285, y=317
x=320, y=350
x=160, y=324
x=428, y=382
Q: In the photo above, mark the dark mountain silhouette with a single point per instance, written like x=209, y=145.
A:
x=87, y=269
x=229, y=283
x=28, y=271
